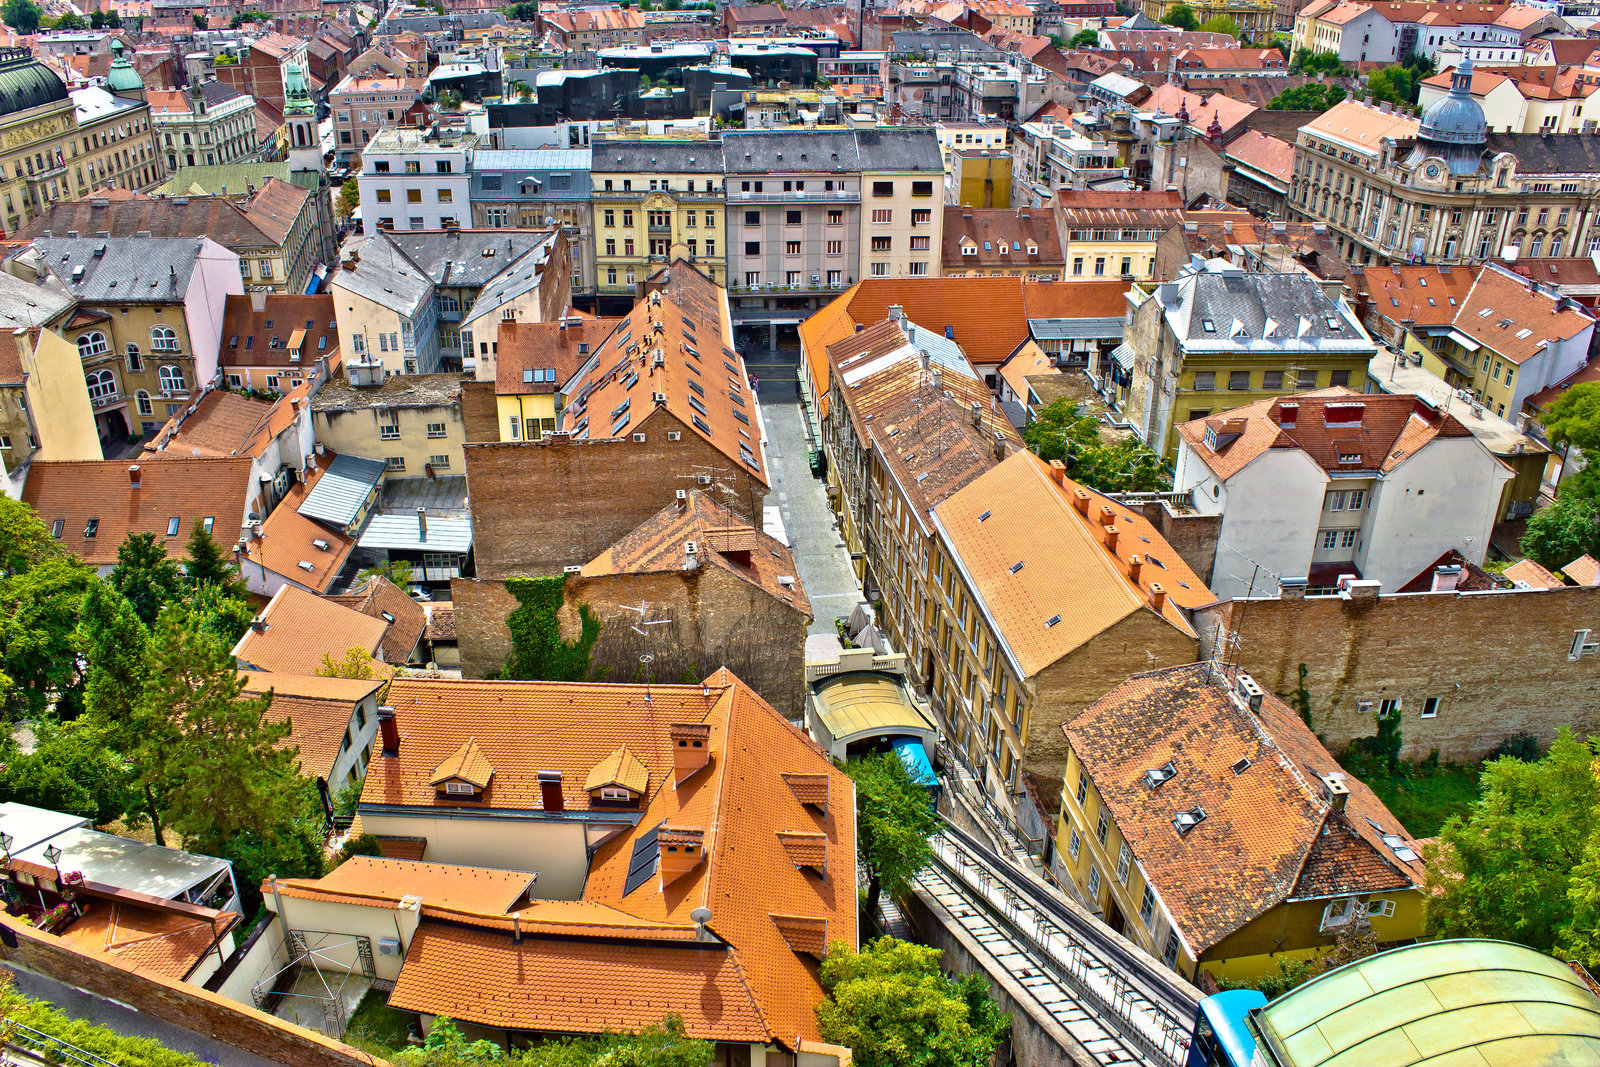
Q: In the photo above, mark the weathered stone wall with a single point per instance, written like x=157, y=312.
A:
x=1192, y=536
x=480, y=416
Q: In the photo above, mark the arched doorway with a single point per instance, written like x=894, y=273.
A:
x=116, y=426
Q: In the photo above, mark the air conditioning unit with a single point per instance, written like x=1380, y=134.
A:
x=673, y=435
x=704, y=479
x=388, y=946
x=1363, y=707
x=638, y=438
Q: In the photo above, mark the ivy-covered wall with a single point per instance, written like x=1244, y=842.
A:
x=537, y=651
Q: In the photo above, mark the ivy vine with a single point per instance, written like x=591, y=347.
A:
x=1301, y=697
x=537, y=651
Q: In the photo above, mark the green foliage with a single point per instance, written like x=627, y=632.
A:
x=1381, y=751
x=523, y=12
x=1181, y=16
x=70, y=21
x=665, y=1045
x=38, y=614
x=357, y=663
x=1574, y=419
x=1312, y=96
x=246, y=16
x=116, y=647
x=215, y=611
x=894, y=819
x=1423, y=796
x=398, y=571
x=199, y=22
x=108, y=1044
x=70, y=769
x=359, y=845
x=24, y=538
x=208, y=564
x=1560, y=532
x=377, y=1028
x=1398, y=84
x=23, y=16
x=893, y=1007
x=1521, y=745
x=349, y=198
x=105, y=20
x=288, y=845
x=146, y=576
x=537, y=650
x=1221, y=24
x=1291, y=973
x=1308, y=62
x=1521, y=865
x=1066, y=432
x=1081, y=39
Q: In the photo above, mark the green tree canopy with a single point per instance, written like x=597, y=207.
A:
x=1574, y=419
x=23, y=16
x=24, y=538
x=1508, y=870
x=349, y=198
x=1308, y=62
x=72, y=768
x=146, y=576
x=1398, y=85
x=1221, y=24
x=1560, y=532
x=665, y=1045
x=523, y=12
x=105, y=20
x=1312, y=96
x=894, y=820
x=38, y=615
x=1182, y=17
x=398, y=571
x=116, y=647
x=1084, y=39
x=70, y=21
x=1064, y=431
x=894, y=1008
x=209, y=564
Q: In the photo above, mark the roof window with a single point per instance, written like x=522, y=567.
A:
x=1333, y=322
x=1017, y=566
x=1185, y=821
x=1209, y=324
x=91, y=527
x=1164, y=773
x=1242, y=766
x=1051, y=621
x=1398, y=844
x=1349, y=457
x=57, y=527
x=1485, y=313
x=985, y=516
x=172, y=526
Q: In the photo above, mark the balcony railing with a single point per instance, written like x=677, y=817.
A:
x=784, y=287
x=108, y=400
x=837, y=196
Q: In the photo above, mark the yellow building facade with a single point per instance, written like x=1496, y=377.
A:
x=655, y=200
x=1257, y=19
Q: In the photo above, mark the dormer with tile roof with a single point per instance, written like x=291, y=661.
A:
x=620, y=778
x=1330, y=483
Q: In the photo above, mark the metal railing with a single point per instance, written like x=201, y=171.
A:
x=50, y=1049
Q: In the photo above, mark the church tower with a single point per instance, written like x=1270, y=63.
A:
x=300, y=122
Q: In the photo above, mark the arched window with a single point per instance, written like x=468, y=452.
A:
x=172, y=379
x=93, y=343
x=102, y=385
x=164, y=339
x=145, y=407
x=1555, y=248
x=135, y=360
x=1537, y=246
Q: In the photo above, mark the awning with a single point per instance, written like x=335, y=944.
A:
x=1123, y=354
x=1463, y=340
x=853, y=707
x=297, y=340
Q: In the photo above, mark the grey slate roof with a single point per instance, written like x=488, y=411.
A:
x=386, y=276
x=456, y=258
x=337, y=497
x=1562, y=153
x=125, y=270
x=915, y=149
x=518, y=278
x=532, y=159
x=479, y=20
x=215, y=92
x=25, y=304
x=1221, y=297
x=793, y=152
x=671, y=157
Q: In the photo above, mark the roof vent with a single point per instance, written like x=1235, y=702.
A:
x=320, y=545
x=1334, y=790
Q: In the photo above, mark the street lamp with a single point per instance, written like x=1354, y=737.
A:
x=6, y=841
x=53, y=854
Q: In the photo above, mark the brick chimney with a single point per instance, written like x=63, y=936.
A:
x=1080, y=500
x=1058, y=473
x=1158, y=598
x=550, y=797
x=133, y=476
x=691, y=748
x=1107, y=516
x=389, y=731
x=1111, y=539
x=681, y=851
x=1135, y=565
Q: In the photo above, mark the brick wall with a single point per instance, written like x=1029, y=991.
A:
x=540, y=506
x=481, y=607
x=1498, y=661
x=480, y=418
x=1192, y=536
x=189, y=1007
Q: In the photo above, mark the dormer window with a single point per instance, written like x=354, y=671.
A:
x=1185, y=821
x=459, y=788
x=1155, y=777
x=615, y=793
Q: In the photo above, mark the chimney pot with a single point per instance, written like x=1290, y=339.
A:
x=1111, y=539
x=691, y=748
x=422, y=524
x=550, y=797
x=1158, y=597
x=1058, y=473
x=1107, y=516
x=389, y=731
x=1080, y=497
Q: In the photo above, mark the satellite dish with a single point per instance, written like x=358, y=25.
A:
x=701, y=916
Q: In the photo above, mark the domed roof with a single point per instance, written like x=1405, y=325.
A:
x=122, y=77
x=26, y=83
x=1456, y=118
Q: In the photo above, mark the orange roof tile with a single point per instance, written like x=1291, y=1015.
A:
x=253, y=338
x=1265, y=153
x=100, y=493
x=1074, y=298
x=276, y=207
x=301, y=628
x=1585, y=570
x=1362, y=126
x=1262, y=838
x=1069, y=586
x=289, y=538
x=621, y=768
x=402, y=848
x=999, y=237
x=1527, y=573
x=382, y=882
x=380, y=598
x=1505, y=313
x=467, y=763
x=1030, y=359
x=984, y=315
x=318, y=710
x=1382, y=430
x=721, y=538
x=223, y=424
x=151, y=934
x=1428, y=296
x=561, y=347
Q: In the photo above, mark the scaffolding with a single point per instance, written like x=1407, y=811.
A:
x=331, y=961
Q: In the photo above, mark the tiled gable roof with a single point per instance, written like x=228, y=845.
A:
x=263, y=338
x=1527, y=573
x=1261, y=840
x=377, y=881
x=1585, y=570
x=1507, y=314
x=1428, y=296
x=561, y=348
x=301, y=628
x=379, y=598
x=223, y=424
x=289, y=538
x=196, y=216
x=276, y=206
x=973, y=237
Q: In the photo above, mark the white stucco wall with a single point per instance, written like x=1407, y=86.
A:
x=1270, y=514
x=215, y=278
x=552, y=848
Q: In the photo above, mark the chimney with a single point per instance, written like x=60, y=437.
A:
x=1292, y=588
x=422, y=524
x=1135, y=565
x=683, y=499
x=999, y=445
x=1445, y=579
x=897, y=313
x=691, y=748
x=258, y=624
x=977, y=414
x=1158, y=597
x=1080, y=497
x=133, y=476
x=1107, y=516
x=389, y=730
x=681, y=851
x=550, y=798
x=258, y=300
x=1335, y=791
x=1111, y=539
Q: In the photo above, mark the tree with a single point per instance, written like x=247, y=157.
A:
x=398, y=571
x=1574, y=419
x=146, y=576
x=894, y=1008
x=1082, y=39
x=1221, y=24
x=1181, y=16
x=1066, y=432
x=1507, y=870
x=291, y=847
x=1398, y=85
x=23, y=16
x=1560, y=532
x=894, y=820
x=349, y=198
x=208, y=564
x=225, y=616
x=24, y=538
x=664, y=1045
x=1308, y=62
x=73, y=769
x=116, y=648
x=105, y=20
x=38, y=614
x=1312, y=96
x=357, y=663
x=70, y=21
x=215, y=766
x=523, y=12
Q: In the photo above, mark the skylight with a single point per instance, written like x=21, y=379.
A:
x=1017, y=566
x=1209, y=324
x=1485, y=313
x=1184, y=821
x=1154, y=778
x=1051, y=621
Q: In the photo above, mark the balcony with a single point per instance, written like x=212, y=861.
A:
x=784, y=288
x=107, y=400
x=660, y=227
x=838, y=196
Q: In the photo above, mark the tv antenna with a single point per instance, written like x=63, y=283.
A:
x=647, y=659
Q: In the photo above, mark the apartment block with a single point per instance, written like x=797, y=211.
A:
x=532, y=189
x=416, y=179
x=364, y=104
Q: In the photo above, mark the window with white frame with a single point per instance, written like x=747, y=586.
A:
x=1388, y=707
x=1582, y=645
x=435, y=429
x=145, y=407
x=1124, y=862
x=1337, y=913
x=135, y=360
x=1073, y=843
x=388, y=431
x=1094, y=883
x=396, y=463
x=103, y=386
x=1147, y=907
x=1083, y=780
x=439, y=463
x=164, y=339
x=93, y=343
x=1334, y=500
x=1169, y=954
x=1380, y=909
x=1430, y=707
x=1347, y=538
x=1103, y=826
x=1329, y=539
x=171, y=379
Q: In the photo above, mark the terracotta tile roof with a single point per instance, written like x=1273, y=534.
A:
x=1231, y=59
x=1261, y=839
x=441, y=621
x=289, y=538
x=1029, y=360
x=803, y=934
x=79, y=493
x=1428, y=296
x=11, y=371
x=1362, y=126
x=722, y=539
x=402, y=848
x=1079, y=209
x=554, y=346
x=1472, y=578
x=1069, y=587
x=1171, y=99
x=701, y=383
x=1073, y=298
x=318, y=710
x=620, y=768
x=223, y=424
x=1506, y=314
x=195, y=216
x=1584, y=570
x=1589, y=372
x=974, y=237
x=380, y=598
x=276, y=206
x=985, y=314
x=1263, y=153
x=156, y=939
x=301, y=628
x=381, y=882
x=1527, y=573
x=348, y=691
x=248, y=339
x=468, y=763
x=1381, y=430
x=1561, y=271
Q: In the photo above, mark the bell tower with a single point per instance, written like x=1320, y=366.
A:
x=300, y=122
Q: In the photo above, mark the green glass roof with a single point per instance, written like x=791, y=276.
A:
x=1469, y=1003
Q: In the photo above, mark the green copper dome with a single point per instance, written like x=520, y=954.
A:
x=296, y=93
x=122, y=78
x=26, y=83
